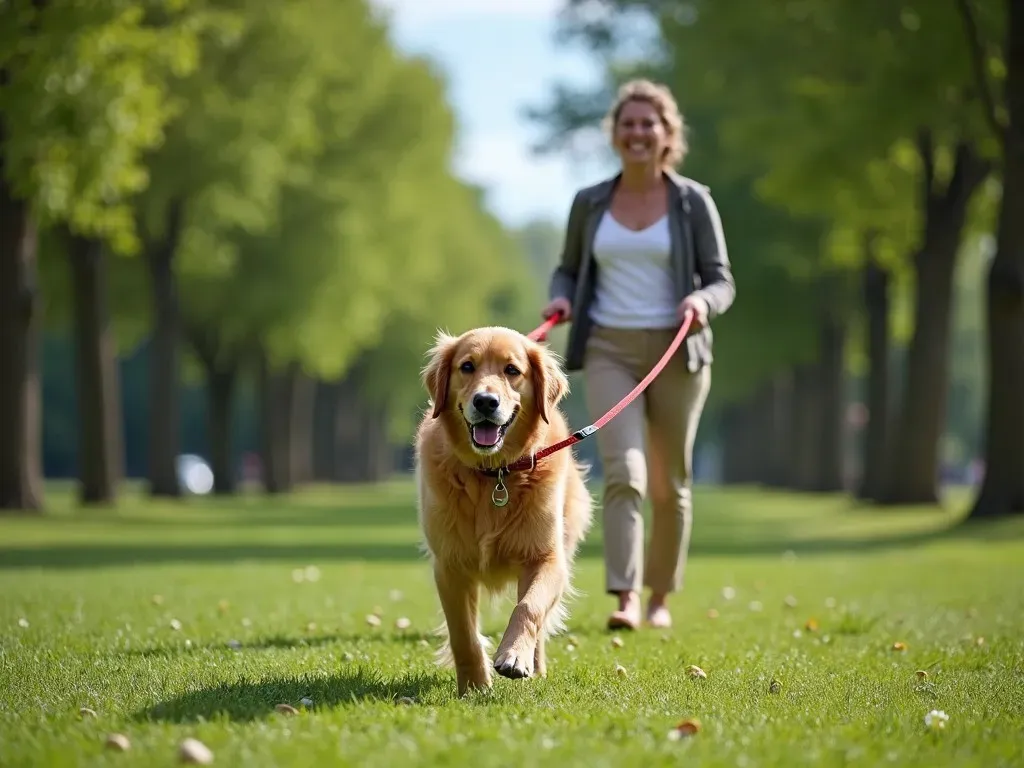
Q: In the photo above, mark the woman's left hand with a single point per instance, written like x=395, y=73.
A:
x=698, y=306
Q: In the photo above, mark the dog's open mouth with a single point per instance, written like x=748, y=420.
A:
x=488, y=436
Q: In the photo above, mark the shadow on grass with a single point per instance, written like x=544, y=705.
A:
x=285, y=642
x=89, y=555
x=743, y=522
x=248, y=700
x=717, y=539
x=228, y=516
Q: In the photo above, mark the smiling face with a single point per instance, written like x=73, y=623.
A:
x=640, y=136
x=494, y=387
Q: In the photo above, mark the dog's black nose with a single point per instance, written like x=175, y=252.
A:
x=486, y=403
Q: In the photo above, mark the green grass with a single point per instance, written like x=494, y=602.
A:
x=85, y=584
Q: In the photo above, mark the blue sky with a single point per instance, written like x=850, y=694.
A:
x=500, y=56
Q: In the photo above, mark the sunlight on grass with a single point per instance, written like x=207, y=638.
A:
x=197, y=619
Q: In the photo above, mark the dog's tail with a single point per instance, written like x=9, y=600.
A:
x=443, y=656
x=556, y=621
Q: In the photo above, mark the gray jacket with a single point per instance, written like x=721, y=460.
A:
x=699, y=261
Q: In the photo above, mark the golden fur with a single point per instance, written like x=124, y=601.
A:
x=474, y=544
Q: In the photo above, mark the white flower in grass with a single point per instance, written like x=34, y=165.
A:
x=936, y=720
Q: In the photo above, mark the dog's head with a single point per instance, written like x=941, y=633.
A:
x=493, y=387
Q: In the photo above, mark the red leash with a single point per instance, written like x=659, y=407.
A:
x=541, y=331
x=538, y=334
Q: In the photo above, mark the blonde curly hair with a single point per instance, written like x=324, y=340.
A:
x=659, y=97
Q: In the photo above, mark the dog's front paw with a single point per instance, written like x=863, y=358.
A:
x=513, y=665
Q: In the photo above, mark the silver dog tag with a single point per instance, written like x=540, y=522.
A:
x=499, y=496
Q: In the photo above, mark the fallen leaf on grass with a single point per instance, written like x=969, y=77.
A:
x=689, y=727
x=194, y=751
x=696, y=672
x=119, y=742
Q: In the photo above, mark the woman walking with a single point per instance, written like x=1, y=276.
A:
x=641, y=249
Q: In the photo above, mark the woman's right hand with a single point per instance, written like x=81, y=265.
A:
x=559, y=305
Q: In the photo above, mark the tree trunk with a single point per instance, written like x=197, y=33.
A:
x=277, y=398
x=830, y=401
x=913, y=468
x=362, y=448
x=100, y=438
x=779, y=445
x=221, y=373
x=763, y=438
x=803, y=469
x=875, y=447
x=21, y=471
x=303, y=405
x=164, y=395
x=220, y=389
x=745, y=443
x=1002, y=490
x=733, y=471
x=324, y=418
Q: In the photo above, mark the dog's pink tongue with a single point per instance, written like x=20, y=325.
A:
x=485, y=434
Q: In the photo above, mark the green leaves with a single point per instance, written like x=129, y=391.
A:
x=87, y=95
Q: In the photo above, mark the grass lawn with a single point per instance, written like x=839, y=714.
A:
x=195, y=620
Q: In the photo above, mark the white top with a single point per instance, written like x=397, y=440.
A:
x=634, y=282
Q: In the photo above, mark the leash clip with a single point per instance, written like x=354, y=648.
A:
x=500, y=496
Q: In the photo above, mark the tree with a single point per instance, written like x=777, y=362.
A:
x=1002, y=490
x=818, y=110
x=774, y=253
x=82, y=96
x=221, y=173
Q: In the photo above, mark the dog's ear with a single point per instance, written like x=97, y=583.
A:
x=437, y=371
x=550, y=384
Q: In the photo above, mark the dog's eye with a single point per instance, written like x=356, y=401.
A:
x=467, y=367
x=511, y=370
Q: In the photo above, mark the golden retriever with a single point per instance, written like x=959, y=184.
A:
x=494, y=399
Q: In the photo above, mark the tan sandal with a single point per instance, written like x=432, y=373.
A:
x=659, y=617
x=624, y=620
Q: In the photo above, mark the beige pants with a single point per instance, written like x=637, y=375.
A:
x=638, y=462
